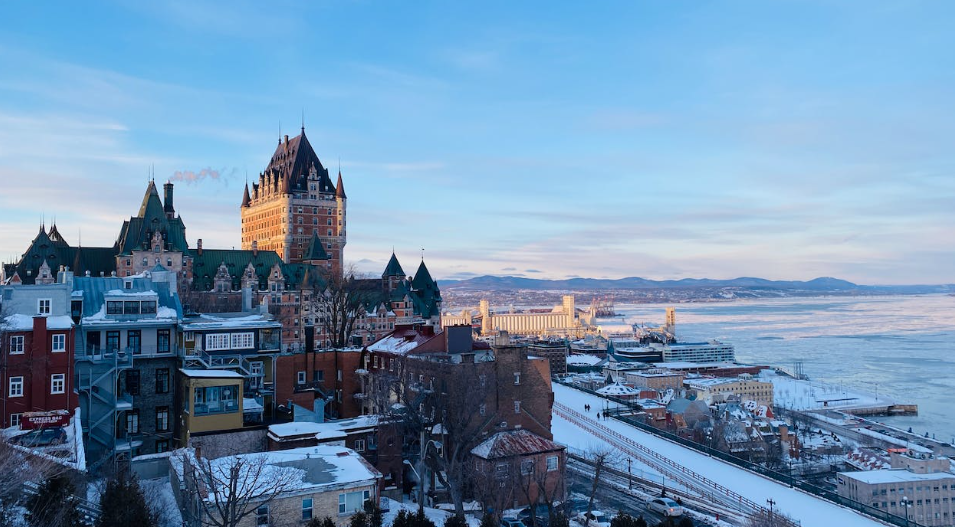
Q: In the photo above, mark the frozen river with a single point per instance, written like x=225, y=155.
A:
x=902, y=347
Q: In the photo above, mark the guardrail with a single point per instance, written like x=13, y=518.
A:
x=785, y=479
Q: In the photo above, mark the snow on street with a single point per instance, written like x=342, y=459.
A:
x=807, y=509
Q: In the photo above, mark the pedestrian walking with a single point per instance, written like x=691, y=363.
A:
x=598, y=416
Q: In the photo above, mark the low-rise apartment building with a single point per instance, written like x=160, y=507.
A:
x=928, y=499
x=312, y=482
x=718, y=390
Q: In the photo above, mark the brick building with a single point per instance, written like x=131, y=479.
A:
x=37, y=338
x=516, y=468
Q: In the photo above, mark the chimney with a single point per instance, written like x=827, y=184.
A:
x=199, y=247
x=255, y=248
x=167, y=201
x=286, y=138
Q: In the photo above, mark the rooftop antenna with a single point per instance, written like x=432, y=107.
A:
x=422, y=254
x=280, y=131
x=303, y=119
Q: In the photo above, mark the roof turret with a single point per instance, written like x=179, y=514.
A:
x=340, y=187
x=245, y=195
x=393, y=268
x=315, y=250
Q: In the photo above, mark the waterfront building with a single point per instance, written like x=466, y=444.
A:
x=562, y=320
x=37, y=339
x=927, y=499
x=718, y=390
x=657, y=379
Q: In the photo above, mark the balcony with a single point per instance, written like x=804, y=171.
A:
x=124, y=401
x=118, y=357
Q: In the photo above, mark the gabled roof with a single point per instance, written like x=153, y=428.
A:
x=205, y=266
x=393, y=268
x=513, y=443
x=57, y=252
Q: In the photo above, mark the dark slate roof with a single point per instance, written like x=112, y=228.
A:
x=292, y=162
x=245, y=196
x=137, y=232
x=340, y=187
x=55, y=252
x=393, y=268
x=205, y=266
x=425, y=292
x=315, y=250
x=513, y=443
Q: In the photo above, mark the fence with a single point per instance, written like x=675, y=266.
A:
x=786, y=479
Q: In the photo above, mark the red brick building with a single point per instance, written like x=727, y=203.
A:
x=517, y=468
x=304, y=376
x=37, y=368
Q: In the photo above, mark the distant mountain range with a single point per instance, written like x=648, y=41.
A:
x=823, y=285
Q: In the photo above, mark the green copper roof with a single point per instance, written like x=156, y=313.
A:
x=393, y=268
x=315, y=250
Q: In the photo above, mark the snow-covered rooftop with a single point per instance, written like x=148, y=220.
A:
x=322, y=431
x=214, y=374
x=874, y=477
x=212, y=322
x=583, y=360
x=18, y=322
x=617, y=389
x=310, y=469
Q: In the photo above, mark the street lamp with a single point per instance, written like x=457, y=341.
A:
x=906, y=503
x=771, y=502
x=629, y=477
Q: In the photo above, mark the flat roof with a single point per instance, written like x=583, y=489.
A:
x=894, y=475
x=215, y=374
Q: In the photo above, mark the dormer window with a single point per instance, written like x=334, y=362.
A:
x=128, y=284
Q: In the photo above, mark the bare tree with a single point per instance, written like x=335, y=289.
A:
x=765, y=518
x=600, y=458
x=341, y=301
x=456, y=397
x=17, y=468
x=221, y=492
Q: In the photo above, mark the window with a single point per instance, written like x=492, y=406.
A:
x=500, y=471
x=132, y=421
x=132, y=382
x=517, y=407
x=149, y=307
x=162, y=419
x=306, y=508
x=243, y=340
x=114, y=307
x=301, y=377
x=162, y=380
x=130, y=308
x=43, y=306
x=359, y=445
x=57, y=383
x=217, y=341
x=162, y=446
x=517, y=377
x=134, y=341
x=16, y=387
x=59, y=343
x=162, y=341
x=14, y=419
x=112, y=340
x=318, y=375
x=16, y=345
x=527, y=467
x=262, y=516
x=552, y=463
x=349, y=502
x=216, y=399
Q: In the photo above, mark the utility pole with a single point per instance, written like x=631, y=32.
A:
x=771, y=502
x=629, y=476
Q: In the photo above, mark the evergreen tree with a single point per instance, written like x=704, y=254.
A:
x=403, y=519
x=54, y=505
x=640, y=522
x=321, y=522
x=559, y=519
x=455, y=521
x=123, y=503
x=488, y=520
x=360, y=519
x=685, y=522
x=420, y=520
x=373, y=514
x=622, y=519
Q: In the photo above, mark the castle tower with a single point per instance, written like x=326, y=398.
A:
x=294, y=201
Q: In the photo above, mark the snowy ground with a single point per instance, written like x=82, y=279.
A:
x=812, y=395
x=435, y=515
x=808, y=509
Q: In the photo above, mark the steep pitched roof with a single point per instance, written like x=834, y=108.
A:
x=292, y=162
x=245, y=196
x=205, y=266
x=315, y=250
x=393, y=268
x=137, y=232
x=426, y=294
x=340, y=187
x=57, y=252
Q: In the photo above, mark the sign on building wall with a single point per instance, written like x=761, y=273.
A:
x=53, y=419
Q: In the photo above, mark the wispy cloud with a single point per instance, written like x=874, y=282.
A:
x=191, y=177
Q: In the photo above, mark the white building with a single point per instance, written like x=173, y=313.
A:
x=927, y=499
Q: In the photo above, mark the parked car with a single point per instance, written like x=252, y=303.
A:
x=511, y=522
x=596, y=519
x=540, y=511
x=665, y=506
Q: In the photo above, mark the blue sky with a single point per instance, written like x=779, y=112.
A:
x=785, y=140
